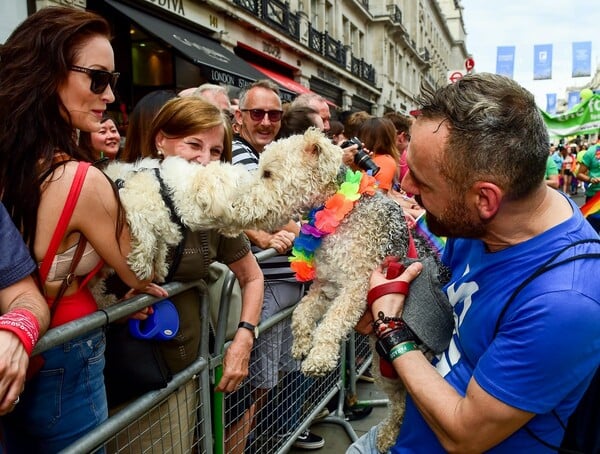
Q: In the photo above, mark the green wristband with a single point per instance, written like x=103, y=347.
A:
x=401, y=349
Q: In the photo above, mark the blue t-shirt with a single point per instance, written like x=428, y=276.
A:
x=547, y=346
x=15, y=261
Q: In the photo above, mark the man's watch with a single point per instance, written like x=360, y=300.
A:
x=250, y=327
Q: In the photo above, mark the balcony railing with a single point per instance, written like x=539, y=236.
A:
x=395, y=14
x=315, y=40
x=274, y=12
x=278, y=14
x=363, y=70
x=334, y=50
x=251, y=5
x=325, y=45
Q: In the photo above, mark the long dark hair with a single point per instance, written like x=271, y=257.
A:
x=34, y=123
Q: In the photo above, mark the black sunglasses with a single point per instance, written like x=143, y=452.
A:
x=259, y=114
x=100, y=78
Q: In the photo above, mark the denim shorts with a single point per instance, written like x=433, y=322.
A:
x=65, y=400
x=367, y=444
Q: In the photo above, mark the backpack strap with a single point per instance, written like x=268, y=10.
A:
x=547, y=266
x=63, y=220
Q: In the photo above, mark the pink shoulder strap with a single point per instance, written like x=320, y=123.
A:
x=65, y=217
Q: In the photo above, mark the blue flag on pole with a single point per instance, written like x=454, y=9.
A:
x=542, y=61
x=551, y=103
x=505, y=61
x=573, y=99
x=582, y=59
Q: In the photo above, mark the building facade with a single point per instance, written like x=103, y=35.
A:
x=368, y=55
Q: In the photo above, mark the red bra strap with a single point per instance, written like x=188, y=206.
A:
x=63, y=221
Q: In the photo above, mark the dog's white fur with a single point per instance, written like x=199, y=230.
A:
x=294, y=175
x=201, y=197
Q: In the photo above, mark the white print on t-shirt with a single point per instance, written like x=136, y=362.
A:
x=464, y=293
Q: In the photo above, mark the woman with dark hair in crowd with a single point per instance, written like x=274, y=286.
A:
x=104, y=143
x=57, y=77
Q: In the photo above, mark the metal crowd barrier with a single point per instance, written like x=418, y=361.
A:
x=140, y=426
x=285, y=410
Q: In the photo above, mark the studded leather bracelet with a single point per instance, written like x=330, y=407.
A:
x=386, y=343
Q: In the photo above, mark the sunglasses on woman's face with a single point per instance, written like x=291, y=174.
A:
x=100, y=78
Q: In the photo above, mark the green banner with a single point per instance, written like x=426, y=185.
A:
x=584, y=118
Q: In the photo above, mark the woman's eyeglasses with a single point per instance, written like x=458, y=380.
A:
x=100, y=78
x=259, y=114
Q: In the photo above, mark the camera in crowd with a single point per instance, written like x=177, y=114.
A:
x=361, y=158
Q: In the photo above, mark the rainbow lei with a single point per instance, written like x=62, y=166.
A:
x=324, y=220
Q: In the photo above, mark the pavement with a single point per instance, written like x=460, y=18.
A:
x=336, y=437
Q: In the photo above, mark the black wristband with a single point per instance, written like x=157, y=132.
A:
x=250, y=327
x=392, y=338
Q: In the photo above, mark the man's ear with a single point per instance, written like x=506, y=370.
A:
x=488, y=198
x=238, y=116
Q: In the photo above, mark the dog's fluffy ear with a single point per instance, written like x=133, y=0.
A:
x=312, y=141
x=313, y=149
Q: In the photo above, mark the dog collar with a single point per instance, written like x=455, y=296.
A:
x=325, y=220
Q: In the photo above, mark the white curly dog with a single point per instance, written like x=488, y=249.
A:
x=294, y=175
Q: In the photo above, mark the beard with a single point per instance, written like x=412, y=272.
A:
x=455, y=221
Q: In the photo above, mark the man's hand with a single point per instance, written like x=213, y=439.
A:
x=391, y=304
x=282, y=241
x=236, y=360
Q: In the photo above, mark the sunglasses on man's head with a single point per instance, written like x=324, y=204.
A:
x=259, y=114
x=100, y=78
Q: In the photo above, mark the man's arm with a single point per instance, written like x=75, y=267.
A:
x=583, y=175
x=452, y=417
x=22, y=298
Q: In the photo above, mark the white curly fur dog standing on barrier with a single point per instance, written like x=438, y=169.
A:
x=295, y=175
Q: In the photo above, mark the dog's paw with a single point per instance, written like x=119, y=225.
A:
x=317, y=365
x=299, y=351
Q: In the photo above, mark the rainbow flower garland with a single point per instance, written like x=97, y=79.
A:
x=324, y=220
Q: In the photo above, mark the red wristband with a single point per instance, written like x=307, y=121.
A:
x=24, y=325
x=385, y=289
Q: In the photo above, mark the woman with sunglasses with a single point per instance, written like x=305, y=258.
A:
x=57, y=77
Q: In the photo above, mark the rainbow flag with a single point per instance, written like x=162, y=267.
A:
x=592, y=206
x=437, y=243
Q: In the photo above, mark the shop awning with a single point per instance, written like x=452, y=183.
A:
x=286, y=82
x=219, y=65
x=282, y=80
